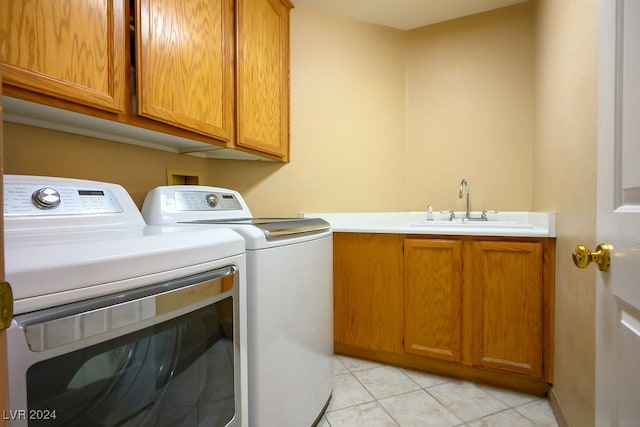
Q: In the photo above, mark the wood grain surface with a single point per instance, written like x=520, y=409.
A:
x=433, y=298
x=368, y=291
x=72, y=49
x=185, y=64
x=262, y=75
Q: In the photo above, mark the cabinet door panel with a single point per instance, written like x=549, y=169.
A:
x=368, y=291
x=433, y=298
x=507, y=308
x=263, y=75
x=185, y=64
x=71, y=50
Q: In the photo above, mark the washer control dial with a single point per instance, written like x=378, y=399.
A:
x=45, y=198
x=213, y=199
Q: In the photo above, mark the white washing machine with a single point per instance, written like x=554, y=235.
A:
x=116, y=322
x=290, y=299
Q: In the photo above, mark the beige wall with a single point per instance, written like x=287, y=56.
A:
x=565, y=178
x=347, y=122
x=470, y=111
x=30, y=150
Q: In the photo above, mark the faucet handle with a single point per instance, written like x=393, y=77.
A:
x=429, y=213
x=484, y=217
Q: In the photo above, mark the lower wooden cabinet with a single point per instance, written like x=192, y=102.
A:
x=368, y=291
x=433, y=298
x=471, y=307
x=505, y=308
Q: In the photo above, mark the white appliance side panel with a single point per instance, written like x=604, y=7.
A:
x=290, y=327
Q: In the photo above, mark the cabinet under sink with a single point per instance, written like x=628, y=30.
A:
x=474, y=307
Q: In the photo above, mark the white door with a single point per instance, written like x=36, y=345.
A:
x=618, y=216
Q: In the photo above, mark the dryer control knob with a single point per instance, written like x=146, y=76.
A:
x=46, y=198
x=212, y=199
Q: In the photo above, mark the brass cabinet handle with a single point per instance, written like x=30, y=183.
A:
x=601, y=256
x=6, y=305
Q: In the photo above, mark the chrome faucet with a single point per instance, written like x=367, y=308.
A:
x=463, y=184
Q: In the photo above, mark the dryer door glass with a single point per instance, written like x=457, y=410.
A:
x=179, y=372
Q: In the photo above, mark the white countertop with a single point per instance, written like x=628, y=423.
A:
x=510, y=224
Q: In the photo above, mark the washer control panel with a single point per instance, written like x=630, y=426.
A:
x=37, y=199
x=205, y=201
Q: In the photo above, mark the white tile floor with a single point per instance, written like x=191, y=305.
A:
x=371, y=394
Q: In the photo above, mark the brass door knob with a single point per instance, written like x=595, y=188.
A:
x=601, y=256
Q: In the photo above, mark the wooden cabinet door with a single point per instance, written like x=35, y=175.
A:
x=433, y=298
x=184, y=61
x=262, y=75
x=507, y=306
x=71, y=50
x=368, y=291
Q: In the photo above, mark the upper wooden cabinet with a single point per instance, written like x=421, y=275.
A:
x=262, y=75
x=69, y=50
x=185, y=64
x=206, y=71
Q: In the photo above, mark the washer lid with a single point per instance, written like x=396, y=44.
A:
x=276, y=228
